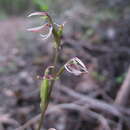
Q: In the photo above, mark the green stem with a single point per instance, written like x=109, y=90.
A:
x=57, y=40
x=54, y=72
x=56, y=59
x=42, y=118
x=61, y=71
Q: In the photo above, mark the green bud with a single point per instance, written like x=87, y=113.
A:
x=44, y=91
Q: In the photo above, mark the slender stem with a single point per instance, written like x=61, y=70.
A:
x=56, y=58
x=61, y=71
x=54, y=72
x=57, y=40
x=42, y=118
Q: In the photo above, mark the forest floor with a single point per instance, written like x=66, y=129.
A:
x=86, y=102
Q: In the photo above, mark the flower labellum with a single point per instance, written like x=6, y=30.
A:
x=76, y=66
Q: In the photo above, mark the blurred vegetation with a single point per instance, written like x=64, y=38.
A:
x=17, y=7
x=41, y=4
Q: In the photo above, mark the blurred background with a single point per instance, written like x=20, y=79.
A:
x=98, y=32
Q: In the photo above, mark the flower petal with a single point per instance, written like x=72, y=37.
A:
x=38, y=14
x=81, y=64
x=37, y=29
x=73, y=70
x=46, y=36
x=75, y=66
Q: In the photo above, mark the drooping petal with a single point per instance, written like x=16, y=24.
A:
x=73, y=70
x=37, y=29
x=80, y=64
x=38, y=14
x=46, y=36
x=75, y=66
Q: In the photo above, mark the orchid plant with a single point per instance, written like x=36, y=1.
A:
x=74, y=65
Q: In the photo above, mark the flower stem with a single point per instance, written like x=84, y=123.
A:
x=41, y=118
x=56, y=56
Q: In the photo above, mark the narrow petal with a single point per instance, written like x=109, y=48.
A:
x=38, y=14
x=75, y=66
x=81, y=64
x=37, y=29
x=72, y=70
x=46, y=36
x=66, y=67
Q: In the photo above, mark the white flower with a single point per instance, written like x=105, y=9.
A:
x=40, y=29
x=75, y=66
